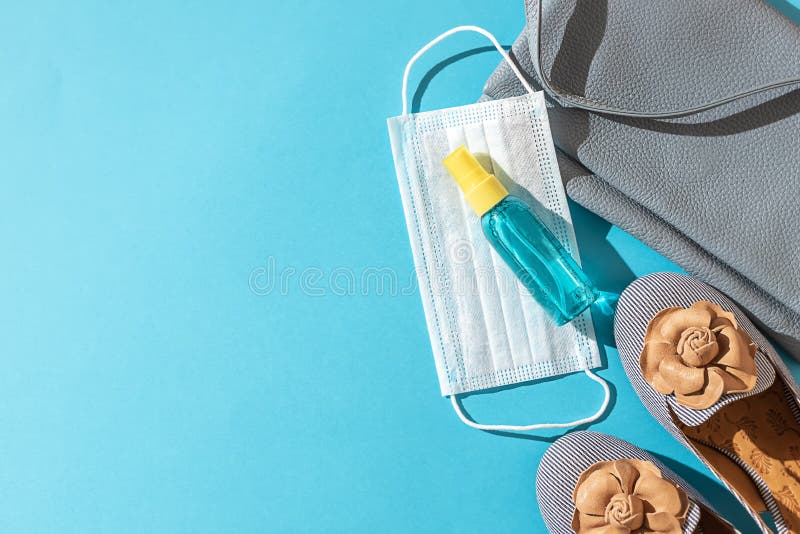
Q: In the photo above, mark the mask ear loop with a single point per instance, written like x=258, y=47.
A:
x=445, y=35
x=589, y=373
x=526, y=428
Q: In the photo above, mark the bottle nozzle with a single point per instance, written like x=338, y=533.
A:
x=481, y=189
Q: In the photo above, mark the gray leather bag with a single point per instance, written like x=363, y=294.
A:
x=686, y=117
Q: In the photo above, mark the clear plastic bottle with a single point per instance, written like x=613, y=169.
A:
x=538, y=259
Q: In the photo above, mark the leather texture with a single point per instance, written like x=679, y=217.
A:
x=716, y=191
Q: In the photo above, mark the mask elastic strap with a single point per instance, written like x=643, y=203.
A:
x=448, y=33
x=526, y=428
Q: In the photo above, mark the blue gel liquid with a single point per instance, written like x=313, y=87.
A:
x=538, y=259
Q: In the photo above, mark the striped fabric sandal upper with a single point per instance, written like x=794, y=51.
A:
x=747, y=431
x=561, y=480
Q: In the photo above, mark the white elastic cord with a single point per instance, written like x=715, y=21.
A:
x=448, y=33
x=527, y=428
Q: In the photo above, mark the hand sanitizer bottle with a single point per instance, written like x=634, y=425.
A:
x=538, y=259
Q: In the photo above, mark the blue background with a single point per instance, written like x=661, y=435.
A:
x=155, y=160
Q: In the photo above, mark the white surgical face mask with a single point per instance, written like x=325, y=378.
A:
x=485, y=328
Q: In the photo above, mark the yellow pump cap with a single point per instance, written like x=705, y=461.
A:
x=481, y=189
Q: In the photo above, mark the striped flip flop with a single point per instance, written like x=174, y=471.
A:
x=590, y=482
x=707, y=374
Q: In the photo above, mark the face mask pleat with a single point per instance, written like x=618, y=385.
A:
x=508, y=287
x=449, y=240
x=486, y=292
x=516, y=319
x=423, y=229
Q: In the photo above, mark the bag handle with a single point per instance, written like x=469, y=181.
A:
x=569, y=100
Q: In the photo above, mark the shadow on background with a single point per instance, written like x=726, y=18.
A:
x=602, y=263
x=416, y=100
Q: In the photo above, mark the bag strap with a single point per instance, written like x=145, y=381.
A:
x=569, y=100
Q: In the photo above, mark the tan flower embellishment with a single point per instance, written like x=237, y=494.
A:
x=627, y=496
x=699, y=354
